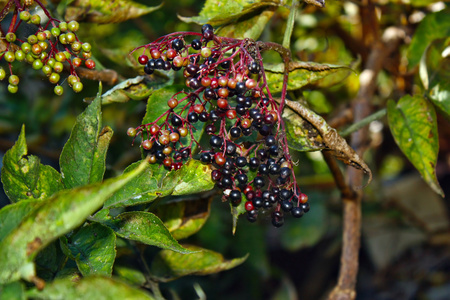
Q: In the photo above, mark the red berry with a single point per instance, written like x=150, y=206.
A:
x=219, y=158
x=147, y=144
x=90, y=64
x=154, y=129
x=172, y=103
x=232, y=83
x=250, y=84
x=223, y=81
x=171, y=53
x=249, y=206
x=231, y=114
x=198, y=108
x=222, y=103
x=155, y=53
x=214, y=83
x=143, y=59
x=167, y=162
x=206, y=81
x=303, y=198
x=222, y=92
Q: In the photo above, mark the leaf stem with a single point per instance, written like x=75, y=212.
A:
x=290, y=25
x=367, y=120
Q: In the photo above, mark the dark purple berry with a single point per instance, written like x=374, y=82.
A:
x=297, y=212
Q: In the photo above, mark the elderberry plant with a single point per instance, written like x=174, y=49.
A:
x=227, y=90
x=49, y=45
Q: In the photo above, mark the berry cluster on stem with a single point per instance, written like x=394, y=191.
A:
x=52, y=47
x=226, y=88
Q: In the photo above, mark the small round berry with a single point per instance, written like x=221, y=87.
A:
x=90, y=64
x=86, y=47
x=226, y=64
x=205, y=158
x=176, y=121
x=235, y=132
x=177, y=44
x=131, y=132
x=206, y=52
x=242, y=179
x=2, y=73
x=9, y=56
x=285, y=172
x=25, y=15
x=174, y=137
x=76, y=62
x=235, y=197
x=305, y=207
x=192, y=117
x=10, y=37
x=286, y=205
x=219, y=158
x=14, y=80
x=155, y=53
x=183, y=131
x=241, y=161
x=54, y=78
x=73, y=26
x=12, y=88
x=277, y=221
x=77, y=86
x=206, y=27
x=167, y=162
x=63, y=26
x=303, y=198
x=254, y=163
x=210, y=129
x=270, y=140
x=147, y=144
x=285, y=194
x=231, y=114
x=35, y=19
x=258, y=202
x=216, y=141
x=196, y=44
x=258, y=182
x=216, y=175
x=249, y=206
x=297, y=212
x=143, y=59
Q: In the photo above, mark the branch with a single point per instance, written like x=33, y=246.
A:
x=107, y=76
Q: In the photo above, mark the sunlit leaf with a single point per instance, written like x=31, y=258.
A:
x=104, y=11
x=300, y=74
x=250, y=27
x=131, y=276
x=93, y=248
x=49, y=220
x=12, y=291
x=91, y=287
x=169, y=265
x=143, y=227
x=433, y=26
x=11, y=215
x=413, y=124
x=24, y=177
x=83, y=157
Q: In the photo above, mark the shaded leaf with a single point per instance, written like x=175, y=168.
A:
x=184, y=218
x=435, y=74
x=12, y=291
x=49, y=261
x=192, y=177
x=138, y=88
x=131, y=276
x=24, y=177
x=413, y=125
x=143, y=227
x=11, y=215
x=169, y=265
x=300, y=74
x=83, y=157
x=49, y=220
x=91, y=287
x=104, y=11
x=217, y=12
x=333, y=141
x=93, y=248
x=432, y=27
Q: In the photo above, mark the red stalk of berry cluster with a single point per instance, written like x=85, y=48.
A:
x=227, y=89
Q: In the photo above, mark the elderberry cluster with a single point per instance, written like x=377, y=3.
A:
x=52, y=46
x=226, y=90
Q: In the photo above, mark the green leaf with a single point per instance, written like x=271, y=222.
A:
x=432, y=27
x=83, y=157
x=93, y=248
x=302, y=73
x=12, y=291
x=301, y=135
x=169, y=265
x=413, y=125
x=49, y=220
x=184, y=218
x=217, y=12
x=105, y=11
x=157, y=103
x=192, y=177
x=435, y=74
x=131, y=276
x=143, y=227
x=250, y=27
x=138, y=88
x=12, y=215
x=24, y=177
x=91, y=287
x=307, y=231
x=49, y=261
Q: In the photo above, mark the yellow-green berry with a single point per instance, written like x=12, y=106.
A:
x=13, y=79
x=12, y=88
x=77, y=87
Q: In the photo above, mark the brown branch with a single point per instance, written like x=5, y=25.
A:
x=107, y=76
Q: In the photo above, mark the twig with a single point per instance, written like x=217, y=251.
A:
x=107, y=76
x=364, y=122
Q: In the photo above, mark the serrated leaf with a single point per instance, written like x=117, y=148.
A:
x=192, y=177
x=432, y=27
x=12, y=215
x=143, y=227
x=49, y=220
x=413, y=125
x=24, y=177
x=138, y=88
x=12, y=291
x=91, y=287
x=300, y=74
x=83, y=157
x=435, y=74
x=104, y=11
x=169, y=265
x=93, y=248
x=217, y=12
x=250, y=27
x=184, y=218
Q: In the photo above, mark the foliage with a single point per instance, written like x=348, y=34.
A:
x=90, y=217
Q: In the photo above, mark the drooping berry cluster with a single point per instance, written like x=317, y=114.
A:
x=226, y=89
x=52, y=45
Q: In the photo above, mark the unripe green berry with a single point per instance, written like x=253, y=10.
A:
x=32, y=39
x=2, y=74
x=43, y=56
x=12, y=88
x=77, y=87
x=51, y=62
x=29, y=58
x=25, y=16
x=63, y=39
x=20, y=55
x=26, y=48
x=55, y=31
x=60, y=57
x=47, y=70
x=131, y=132
x=10, y=37
x=72, y=79
x=9, y=56
x=35, y=19
x=73, y=26
x=67, y=54
x=58, y=67
x=58, y=90
x=70, y=37
x=76, y=46
x=48, y=33
x=54, y=78
x=37, y=64
x=86, y=47
x=13, y=79
x=41, y=36
x=63, y=26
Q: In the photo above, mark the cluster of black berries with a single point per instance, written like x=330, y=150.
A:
x=227, y=91
x=51, y=45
